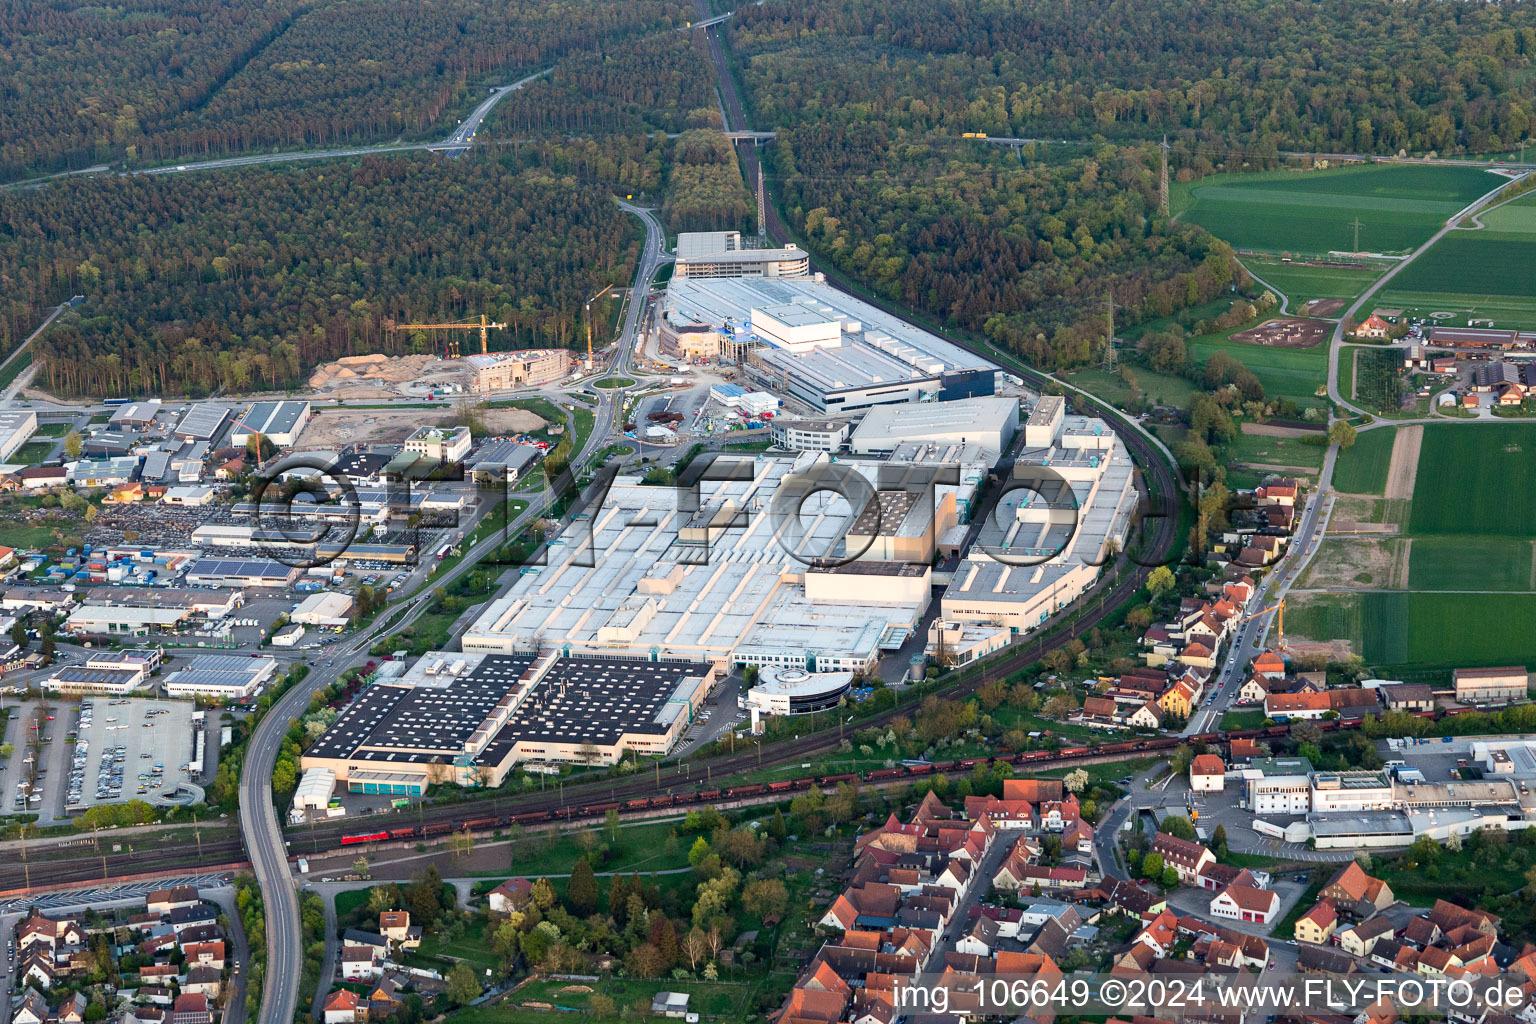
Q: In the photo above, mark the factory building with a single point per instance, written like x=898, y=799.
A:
x=224, y=676
x=720, y=582
x=810, y=435
x=720, y=254
x=800, y=338
x=987, y=422
x=468, y=718
x=1067, y=514
x=1491, y=685
x=793, y=691
x=279, y=422
x=16, y=428
x=502, y=371
x=203, y=422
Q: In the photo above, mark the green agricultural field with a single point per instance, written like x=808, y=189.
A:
x=1475, y=480
x=1311, y=212
x=1302, y=284
x=1470, y=563
x=1294, y=373
x=1477, y=273
x=1362, y=467
x=1476, y=264
x=1428, y=631
x=1325, y=617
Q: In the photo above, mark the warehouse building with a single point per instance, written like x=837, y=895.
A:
x=502, y=460
x=469, y=718
x=279, y=422
x=714, y=579
x=324, y=609
x=240, y=572
x=1049, y=539
x=803, y=339
x=502, y=371
x=16, y=428
x=203, y=422
x=135, y=415
x=988, y=422
x=1491, y=685
x=720, y=254
x=223, y=676
x=139, y=611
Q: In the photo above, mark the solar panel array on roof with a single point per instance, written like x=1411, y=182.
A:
x=237, y=567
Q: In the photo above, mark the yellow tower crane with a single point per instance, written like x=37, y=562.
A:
x=452, y=348
x=1279, y=609
x=588, y=318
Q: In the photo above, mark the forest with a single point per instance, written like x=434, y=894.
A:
x=1028, y=253
x=201, y=282
x=157, y=80
x=648, y=84
x=1229, y=81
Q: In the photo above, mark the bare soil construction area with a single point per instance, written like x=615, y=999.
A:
x=1365, y=563
x=1325, y=307
x=335, y=428
x=1286, y=332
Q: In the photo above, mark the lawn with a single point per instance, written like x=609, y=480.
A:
x=1159, y=388
x=1241, y=720
x=54, y=429
x=1445, y=562
x=642, y=847
x=718, y=1000
x=14, y=534
x=1362, y=467
x=1302, y=283
x=1478, y=480
x=1311, y=212
x=1262, y=450
x=1294, y=373
x=33, y=452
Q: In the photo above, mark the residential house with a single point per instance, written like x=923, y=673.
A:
x=205, y=981
x=1184, y=856
x=395, y=925
x=1317, y=925
x=361, y=963
x=1353, y=891
x=343, y=1006
x=191, y=1008
x=1207, y=774
x=1373, y=328
x=981, y=939
x=1145, y=717
x=1268, y=665
x=33, y=1008
x=164, y=901
x=1360, y=939
x=510, y=895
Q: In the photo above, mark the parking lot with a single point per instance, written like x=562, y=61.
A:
x=126, y=749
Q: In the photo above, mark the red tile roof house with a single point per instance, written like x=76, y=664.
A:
x=344, y=1007
x=1246, y=903
x=191, y=1008
x=1207, y=774
x=1183, y=856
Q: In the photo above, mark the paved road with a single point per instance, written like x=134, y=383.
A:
x=24, y=376
x=463, y=136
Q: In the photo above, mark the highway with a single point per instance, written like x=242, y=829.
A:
x=464, y=136
x=259, y=822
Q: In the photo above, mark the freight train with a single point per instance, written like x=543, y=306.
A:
x=729, y=796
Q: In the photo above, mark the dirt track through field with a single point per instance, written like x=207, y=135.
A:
x=1405, y=461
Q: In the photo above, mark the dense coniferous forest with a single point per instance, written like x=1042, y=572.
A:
x=655, y=83
x=244, y=281
x=1368, y=76
x=160, y=80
